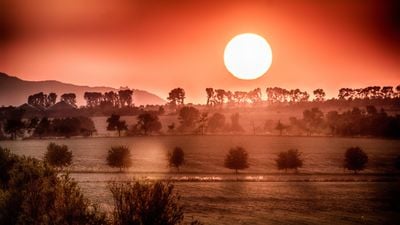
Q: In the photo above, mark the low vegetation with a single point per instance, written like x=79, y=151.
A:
x=291, y=159
x=31, y=192
x=176, y=158
x=58, y=155
x=237, y=159
x=355, y=159
x=119, y=157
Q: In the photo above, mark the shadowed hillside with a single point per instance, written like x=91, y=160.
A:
x=14, y=91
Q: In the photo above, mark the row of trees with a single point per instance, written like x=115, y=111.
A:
x=355, y=158
x=190, y=120
x=16, y=126
x=282, y=95
x=176, y=97
x=33, y=192
x=354, y=122
x=120, y=99
x=43, y=100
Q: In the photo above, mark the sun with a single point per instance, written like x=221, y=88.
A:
x=248, y=56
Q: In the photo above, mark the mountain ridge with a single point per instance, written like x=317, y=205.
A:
x=15, y=91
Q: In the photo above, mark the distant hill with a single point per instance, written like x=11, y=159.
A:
x=14, y=91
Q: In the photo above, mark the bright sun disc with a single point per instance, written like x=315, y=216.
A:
x=248, y=56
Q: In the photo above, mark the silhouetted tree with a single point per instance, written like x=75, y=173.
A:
x=319, y=95
x=220, y=96
x=93, y=99
x=236, y=159
x=216, y=122
x=38, y=99
x=210, y=96
x=14, y=125
x=69, y=98
x=58, y=155
x=176, y=158
x=115, y=123
x=111, y=99
x=51, y=99
x=146, y=203
x=120, y=157
x=254, y=96
x=125, y=97
x=355, y=159
x=148, y=123
x=176, y=96
x=188, y=116
x=290, y=159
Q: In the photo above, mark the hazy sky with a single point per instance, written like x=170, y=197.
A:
x=158, y=45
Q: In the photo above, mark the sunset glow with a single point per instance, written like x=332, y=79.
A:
x=248, y=56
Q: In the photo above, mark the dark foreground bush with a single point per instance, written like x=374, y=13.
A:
x=355, y=159
x=32, y=193
x=146, y=203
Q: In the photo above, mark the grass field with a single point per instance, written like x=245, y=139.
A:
x=322, y=193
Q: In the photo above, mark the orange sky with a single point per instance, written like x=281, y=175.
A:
x=158, y=45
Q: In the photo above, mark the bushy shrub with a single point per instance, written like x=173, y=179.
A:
x=355, y=159
x=119, y=157
x=58, y=155
x=236, y=159
x=290, y=159
x=32, y=193
x=176, y=158
x=146, y=203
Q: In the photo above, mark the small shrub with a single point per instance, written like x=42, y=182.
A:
x=290, y=159
x=237, y=159
x=58, y=155
x=119, y=157
x=176, y=158
x=355, y=159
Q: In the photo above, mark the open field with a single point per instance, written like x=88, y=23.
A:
x=321, y=194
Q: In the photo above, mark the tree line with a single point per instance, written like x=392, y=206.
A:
x=354, y=122
x=123, y=98
x=355, y=158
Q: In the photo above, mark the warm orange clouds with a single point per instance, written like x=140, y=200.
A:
x=158, y=45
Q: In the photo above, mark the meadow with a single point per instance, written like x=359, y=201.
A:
x=322, y=192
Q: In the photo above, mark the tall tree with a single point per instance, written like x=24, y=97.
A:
x=176, y=96
x=51, y=99
x=125, y=97
x=210, y=96
x=69, y=98
x=319, y=95
x=14, y=124
x=93, y=99
x=148, y=123
x=115, y=123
